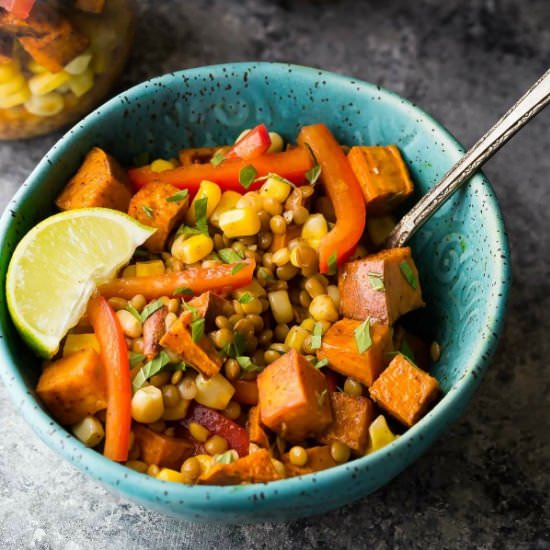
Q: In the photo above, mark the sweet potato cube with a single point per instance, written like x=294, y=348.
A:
x=404, y=390
x=73, y=387
x=383, y=286
x=151, y=207
x=352, y=418
x=319, y=458
x=100, y=181
x=209, y=306
x=383, y=176
x=160, y=449
x=293, y=398
x=254, y=428
x=254, y=468
x=202, y=354
x=340, y=349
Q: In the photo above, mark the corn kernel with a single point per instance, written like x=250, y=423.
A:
x=277, y=143
x=12, y=86
x=254, y=288
x=82, y=83
x=89, y=430
x=314, y=229
x=77, y=342
x=295, y=338
x=308, y=324
x=45, y=105
x=240, y=222
x=13, y=100
x=209, y=190
x=36, y=68
x=214, y=392
x=167, y=474
x=78, y=65
x=228, y=201
x=161, y=165
x=380, y=435
x=8, y=71
x=198, y=432
x=250, y=200
x=44, y=83
x=153, y=267
x=281, y=306
x=129, y=271
x=205, y=462
x=193, y=249
x=276, y=189
x=179, y=412
x=147, y=405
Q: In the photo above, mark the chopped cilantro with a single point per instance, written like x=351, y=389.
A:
x=332, y=262
x=150, y=369
x=130, y=307
x=321, y=397
x=225, y=458
x=185, y=290
x=321, y=363
x=407, y=351
x=179, y=196
x=237, y=268
x=312, y=175
x=217, y=159
x=376, y=281
x=247, y=176
x=239, y=344
x=136, y=358
x=408, y=274
x=187, y=231
x=246, y=298
x=149, y=309
x=149, y=212
x=362, y=336
x=229, y=256
x=197, y=329
x=201, y=221
x=246, y=364
x=316, y=336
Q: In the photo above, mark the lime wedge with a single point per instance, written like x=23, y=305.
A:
x=57, y=265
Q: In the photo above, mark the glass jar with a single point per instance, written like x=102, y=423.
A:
x=58, y=60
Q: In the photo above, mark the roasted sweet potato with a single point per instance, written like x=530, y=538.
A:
x=339, y=347
x=383, y=286
x=352, y=418
x=161, y=449
x=202, y=355
x=319, y=458
x=209, y=306
x=383, y=176
x=153, y=330
x=100, y=181
x=254, y=468
x=150, y=206
x=255, y=431
x=293, y=398
x=73, y=387
x=404, y=390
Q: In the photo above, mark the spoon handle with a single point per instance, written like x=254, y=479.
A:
x=533, y=101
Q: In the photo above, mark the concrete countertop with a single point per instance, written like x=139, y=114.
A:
x=486, y=482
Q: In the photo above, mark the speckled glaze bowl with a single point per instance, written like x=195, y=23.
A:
x=462, y=255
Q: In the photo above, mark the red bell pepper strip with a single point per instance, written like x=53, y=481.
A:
x=221, y=278
x=114, y=356
x=218, y=424
x=343, y=190
x=246, y=392
x=253, y=144
x=18, y=8
x=292, y=165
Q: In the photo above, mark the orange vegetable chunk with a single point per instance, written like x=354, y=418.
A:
x=253, y=468
x=160, y=449
x=318, y=458
x=255, y=431
x=100, y=181
x=404, y=390
x=293, y=398
x=340, y=348
x=151, y=207
x=209, y=306
x=352, y=418
x=383, y=286
x=383, y=176
x=73, y=387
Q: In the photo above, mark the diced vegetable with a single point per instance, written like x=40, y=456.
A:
x=380, y=434
x=343, y=190
x=214, y=392
x=253, y=144
x=160, y=449
x=89, y=430
x=18, y=8
x=246, y=392
x=318, y=458
x=79, y=342
x=255, y=431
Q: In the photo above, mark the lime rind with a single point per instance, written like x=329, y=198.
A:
x=57, y=265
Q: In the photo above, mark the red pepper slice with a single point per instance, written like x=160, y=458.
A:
x=221, y=278
x=292, y=165
x=343, y=190
x=218, y=424
x=18, y=8
x=253, y=144
x=114, y=356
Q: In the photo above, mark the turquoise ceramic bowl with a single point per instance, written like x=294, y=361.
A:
x=462, y=255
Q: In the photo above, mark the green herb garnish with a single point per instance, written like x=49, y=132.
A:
x=185, y=290
x=247, y=176
x=376, y=281
x=217, y=159
x=239, y=344
x=266, y=275
x=316, y=336
x=229, y=256
x=149, y=212
x=150, y=369
x=201, y=221
x=197, y=329
x=276, y=177
x=408, y=274
x=225, y=458
x=178, y=197
x=135, y=358
x=407, y=351
x=246, y=364
x=321, y=397
x=187, y=231
x=130, y=307
x=246, y=298
x=362, y=336
x=312, y=175
x=149, y=309
x=237, y=268
x=332, y=262
x=321, y=363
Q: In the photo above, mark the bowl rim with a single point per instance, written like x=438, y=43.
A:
x=237, y=498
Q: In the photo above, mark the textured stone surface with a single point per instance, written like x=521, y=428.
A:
x=486, y=482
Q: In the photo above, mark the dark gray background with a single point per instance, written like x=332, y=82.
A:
x=486, y=482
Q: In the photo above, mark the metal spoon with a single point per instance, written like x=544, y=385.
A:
x=533, y=101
